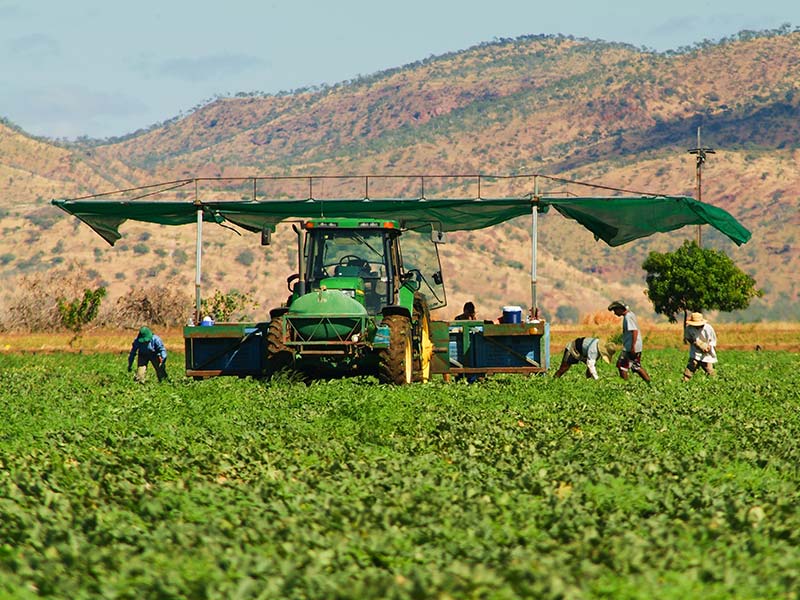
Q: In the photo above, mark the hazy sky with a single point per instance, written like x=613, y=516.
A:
x=105, y=68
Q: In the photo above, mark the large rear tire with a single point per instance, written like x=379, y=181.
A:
x=395, y=362
x=423, y=347
x=279, y=357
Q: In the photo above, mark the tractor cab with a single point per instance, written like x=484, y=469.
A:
x=362, y=259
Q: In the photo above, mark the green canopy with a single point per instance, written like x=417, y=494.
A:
x=615, y=220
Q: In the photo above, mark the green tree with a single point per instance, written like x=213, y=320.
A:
x=80, y=311
x=696, y=279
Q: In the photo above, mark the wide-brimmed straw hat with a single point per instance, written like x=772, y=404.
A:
x=617, y=304
x=608, y=351
x=696, y=319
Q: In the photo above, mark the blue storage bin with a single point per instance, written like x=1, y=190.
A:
x=512, y=314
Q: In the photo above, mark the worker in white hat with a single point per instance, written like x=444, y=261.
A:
x=702, y=340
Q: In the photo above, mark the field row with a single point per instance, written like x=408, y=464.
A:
x=515, y=487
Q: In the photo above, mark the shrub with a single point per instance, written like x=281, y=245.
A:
x=154, y=305
x=34, y=304
x=567, y=314
x=180, y=256
x=45, y=218
x=224, y=306
x=246, y=258
x=77, y=313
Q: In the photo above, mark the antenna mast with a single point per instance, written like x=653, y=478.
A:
x=701, y=158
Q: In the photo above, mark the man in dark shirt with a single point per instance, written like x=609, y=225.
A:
x=468, y=314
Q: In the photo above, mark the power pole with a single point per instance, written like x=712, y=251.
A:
x=701, y=158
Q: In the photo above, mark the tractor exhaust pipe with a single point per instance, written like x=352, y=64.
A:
x=301, y=263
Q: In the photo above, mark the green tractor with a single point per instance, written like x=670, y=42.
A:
x=356, y=304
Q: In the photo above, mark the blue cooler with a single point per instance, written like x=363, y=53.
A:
x=512, y=314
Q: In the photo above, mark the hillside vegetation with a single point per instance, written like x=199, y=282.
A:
x=578, y=109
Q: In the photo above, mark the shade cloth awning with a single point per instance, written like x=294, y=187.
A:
x=615, y=219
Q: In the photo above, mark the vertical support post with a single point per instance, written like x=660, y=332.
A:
x=301, y=263
x=534, y=246
x=198, y=257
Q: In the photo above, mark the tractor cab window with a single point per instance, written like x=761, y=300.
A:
x=351, y=253
x=421, y=263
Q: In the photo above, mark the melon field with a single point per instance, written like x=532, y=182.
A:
x=510, y=488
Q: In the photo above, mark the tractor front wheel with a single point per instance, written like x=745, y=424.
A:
x=423, y=347
x=395, y=362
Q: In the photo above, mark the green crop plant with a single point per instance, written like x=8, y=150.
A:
x=511, y=488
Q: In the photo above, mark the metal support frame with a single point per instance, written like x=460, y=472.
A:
x=296, y=338
x=534, y=246
x=198, y=257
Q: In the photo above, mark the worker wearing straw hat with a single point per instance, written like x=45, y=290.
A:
x=702, y=340
x=586, y=350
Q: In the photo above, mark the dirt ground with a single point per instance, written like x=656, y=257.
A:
x=767, y=336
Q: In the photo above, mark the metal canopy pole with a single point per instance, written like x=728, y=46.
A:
x=199, y=256
x=534, y=244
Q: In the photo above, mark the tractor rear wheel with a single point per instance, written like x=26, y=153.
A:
x=395, y=362
x=423, y=347
x=279, y=357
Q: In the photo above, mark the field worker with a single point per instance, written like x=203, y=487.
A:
x=468, y=313
x=151, y=350
x=702, y=341
x=586, y=350
x=630, y=359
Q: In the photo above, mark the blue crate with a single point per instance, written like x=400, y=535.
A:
x=506, y=350
x=240, y=355
x=456, y=346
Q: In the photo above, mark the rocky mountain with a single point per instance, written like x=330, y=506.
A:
x=573, y=109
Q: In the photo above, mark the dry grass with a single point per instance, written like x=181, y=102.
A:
x=731, y=336
x=769, y=336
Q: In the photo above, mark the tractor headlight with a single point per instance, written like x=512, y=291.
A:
x=349, y=293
